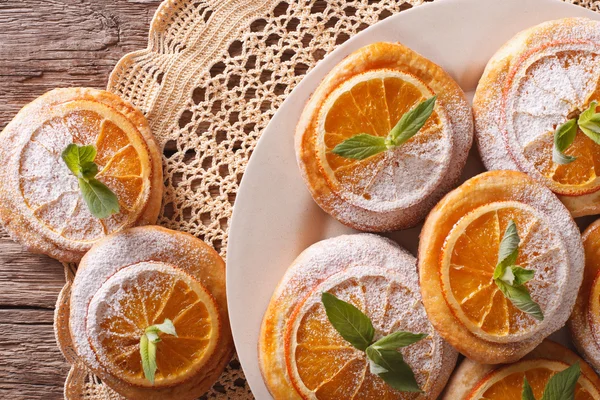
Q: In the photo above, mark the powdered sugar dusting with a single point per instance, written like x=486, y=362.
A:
x=381, y=279
x=120, y=291
x=389, y=182
x=545, y=89
x=142, y=295
x=566, y=253
x=42, y=202
x=131, y=247
x=470, y=262
x=552, y=245
x=536, y=82
x=402, y=311
x=418, y=174
x=45, y=177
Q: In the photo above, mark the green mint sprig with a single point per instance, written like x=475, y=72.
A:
x=365, y=145
x=511, y=278
x=560, y=386
x=589, y=123
x=148, y=343
x=384, y=358
x=101, y=201
x=563, y=138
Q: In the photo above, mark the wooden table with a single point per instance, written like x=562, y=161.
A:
x=46, y=44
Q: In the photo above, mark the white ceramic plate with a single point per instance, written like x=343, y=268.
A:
x=275, y=218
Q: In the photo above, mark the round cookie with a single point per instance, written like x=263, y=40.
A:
x=379, y=278
x=140, y=278
x=42, y=205
x=368, y=93
x=459, y=254
x=470, y=378
x=540, y=79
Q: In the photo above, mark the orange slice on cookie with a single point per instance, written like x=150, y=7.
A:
x=302, y=356
x=474, y=381
x=368, y=93
x=543, y=77
x=42, y=205
x=585, y=319
x=458, y=256
x=141, y=278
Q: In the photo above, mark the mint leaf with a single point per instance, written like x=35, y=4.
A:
x=396, y=340
x=507, y=276
x=508, y=253
x=411, y=122
x=589, y=122
x=385, y=361
x=101, y=201
x=564, y=136
x=77, y=156
x=390, y=366
x=527, y=391
x=509, y=245
x=88, y=170
x=520, y=298
x=148, y=355
x=561, y=386
x=351, y=323
x=521, y=274
x=166, y=327
x=360, y=146
x=510, y=278
x=364, y=145
x=152, y=336
x=148, y=343
x=515, y=275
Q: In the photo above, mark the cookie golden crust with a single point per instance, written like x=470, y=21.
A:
x=383, y=192
x=167, y=274
x=470, y=374
x=537, y=81
x=378, y=277
x=41, y=204
x=584, y=319
x=458, y=254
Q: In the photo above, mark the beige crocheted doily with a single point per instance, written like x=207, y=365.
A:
x=213, y=75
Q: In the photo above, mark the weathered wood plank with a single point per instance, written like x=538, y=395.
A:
x=32, y=366
x=27, y=316
x=28, y=391
x=27, y=279
x=46, y=44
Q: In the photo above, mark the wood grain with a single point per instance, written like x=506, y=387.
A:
x=46, y=44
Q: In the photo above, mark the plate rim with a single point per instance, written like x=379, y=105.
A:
x=313, y=78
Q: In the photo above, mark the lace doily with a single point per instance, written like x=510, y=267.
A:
x=213, y=75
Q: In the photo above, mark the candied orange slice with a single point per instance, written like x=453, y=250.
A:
x=458, y=254
x=507, y=382
x=373, y=102
x=470, y=256
x=548, y=86
x=146, y=294
x=322, y=365
x=53, y=194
